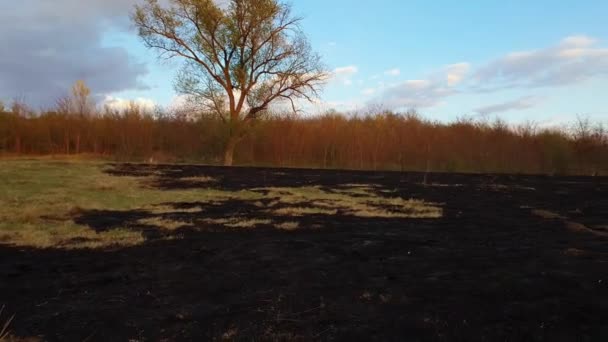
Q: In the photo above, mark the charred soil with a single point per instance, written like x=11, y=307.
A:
x=511, y=258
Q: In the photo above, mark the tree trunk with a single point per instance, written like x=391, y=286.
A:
x=18, y=144
x=66, y=140
x=78, y=143
x=229, y=151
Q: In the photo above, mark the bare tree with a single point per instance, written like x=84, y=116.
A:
x=240, y=56
x=64, y=107
x=19, y=110
x=77, y=108
x=81, y=98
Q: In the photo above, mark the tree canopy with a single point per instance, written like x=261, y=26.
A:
x=240, y=56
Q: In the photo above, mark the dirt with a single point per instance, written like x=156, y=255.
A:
x=490, y=269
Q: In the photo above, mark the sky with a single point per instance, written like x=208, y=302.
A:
x=542, y=61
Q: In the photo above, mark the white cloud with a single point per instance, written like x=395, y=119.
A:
x=575, y=59
x=413, y=94
x=456, y=73
x=518, y=104
x=416, y=84
x=346, y=70
x=120, y=104
x=421, y=93
x=578, y=41
x=179, y=102
x=320, y=106
x=344, y=74
x=368, y=91
x=393, y=72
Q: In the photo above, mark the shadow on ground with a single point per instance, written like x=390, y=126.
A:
x=487, y=270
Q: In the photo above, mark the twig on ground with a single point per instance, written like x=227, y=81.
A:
x=4, y=330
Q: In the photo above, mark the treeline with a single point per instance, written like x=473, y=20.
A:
x=383, y=141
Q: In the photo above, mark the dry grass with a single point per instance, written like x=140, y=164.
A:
x=304, y=211
x=199, y=179
x=162, y=223
x=238, y=222
x=572, y=226
x=503, y=187
x=40, y=198
x=360, y=201
x=548, y=215
x=167, y=209
x=442, y=185
x=581, y=228
x=288, y=226
x=216, y=221
x=360, y=185
x=247, y=223
x=576, y=227
x=68, y=235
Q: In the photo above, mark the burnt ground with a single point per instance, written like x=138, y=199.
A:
x=488, y=270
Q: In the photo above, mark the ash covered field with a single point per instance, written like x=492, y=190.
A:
x=117, y=252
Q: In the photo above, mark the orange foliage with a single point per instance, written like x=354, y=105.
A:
x=385, y=141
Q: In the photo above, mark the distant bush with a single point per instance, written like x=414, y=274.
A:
x=384, y=141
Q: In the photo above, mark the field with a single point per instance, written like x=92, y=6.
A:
x=93, y=251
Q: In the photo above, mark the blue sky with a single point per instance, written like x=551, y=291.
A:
x=545, y=61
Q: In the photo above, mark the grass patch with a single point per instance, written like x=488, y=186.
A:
x=572, y=226
x=38, y=199
x=442, y=185
x=238, y=222
x=288, y=226
x=246, y=223
x=547, y=215
x=359, y=201
x=161, y=223
x=167, y=209
x=199, y=179
x=304, y=211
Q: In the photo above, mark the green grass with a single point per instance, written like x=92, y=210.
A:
x=39, y=199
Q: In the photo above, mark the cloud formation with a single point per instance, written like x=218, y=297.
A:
x=421, y=93
x=456, y=73
x=393, y=72
x=344, y=74
x=120, y=104
x=575, y=59
x=413, y=94
x=347, y=70
x=47, y=45
x=518, y=104
x=368, y=91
